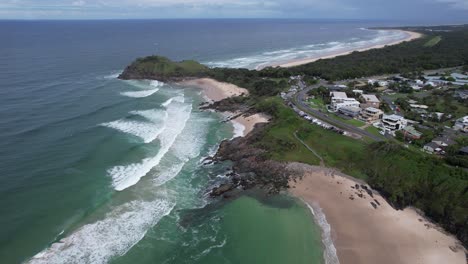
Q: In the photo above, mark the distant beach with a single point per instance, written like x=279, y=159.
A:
x=410, y=36
x=362, y=234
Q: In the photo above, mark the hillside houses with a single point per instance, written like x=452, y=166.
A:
x=461, y=124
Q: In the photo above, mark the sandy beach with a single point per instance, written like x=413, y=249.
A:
x=247, y=123
x=362, y=234
x=214, y=90
x=411, y=36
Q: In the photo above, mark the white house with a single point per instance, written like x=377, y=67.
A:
x=461, y=124
x=340, y=99
x=393, y=122
x=383, y=83
x=358, y=91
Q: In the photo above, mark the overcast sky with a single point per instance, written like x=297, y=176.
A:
x=424, y=10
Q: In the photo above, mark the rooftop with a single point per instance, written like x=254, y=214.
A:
x=393, y=117
x=373, y=109
x=338, y=95
x=370, y=98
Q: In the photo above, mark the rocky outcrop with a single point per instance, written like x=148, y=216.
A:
x=251, y=167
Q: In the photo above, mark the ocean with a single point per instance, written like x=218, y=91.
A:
x=96, y=170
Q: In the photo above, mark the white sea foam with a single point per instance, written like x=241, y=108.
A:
x=329, y=254
x=168, y=173
x=139, y=94
x=145, y=130
x=187, y=146
x=113, y=75
x=104, y=239
x=238, y=129
x=127, y=175
x=310, y=51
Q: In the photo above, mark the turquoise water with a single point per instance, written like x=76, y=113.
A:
x=94, y=169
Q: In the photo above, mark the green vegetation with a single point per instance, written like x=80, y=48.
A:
x=451, y=50
x=433, y=41
x=405, y=176
x=408, y=178
x=157, y=67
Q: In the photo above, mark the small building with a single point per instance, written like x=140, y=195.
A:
x=464, y=150
x=382, y=83
x=461, y=124
x=411, y=132
x=431, y=147
x=443, y=141
x=462, y=94
x=370, y=100
x=419, y=106
x=350, y=111
x=358, y=91
x=393, y=122
x=371, y=114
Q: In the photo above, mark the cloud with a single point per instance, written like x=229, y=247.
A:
x=457, y=4
x=79, y=3
x=358, y=9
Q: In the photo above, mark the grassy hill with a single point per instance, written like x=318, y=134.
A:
x=163, y=69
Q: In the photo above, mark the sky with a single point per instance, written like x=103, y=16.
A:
x=408, y=10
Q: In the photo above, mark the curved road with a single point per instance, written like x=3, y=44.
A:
x=299, y=102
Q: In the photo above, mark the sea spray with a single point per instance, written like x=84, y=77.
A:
x=124, y=176
x=238, y=129
x=139, y=94
x=329, y=253
x=113, y=236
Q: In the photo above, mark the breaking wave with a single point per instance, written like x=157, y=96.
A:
x=139, y=94
x=148, y=88
x=125, y=176
x=148, y=131
x=112, y=236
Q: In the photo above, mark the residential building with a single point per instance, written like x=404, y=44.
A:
x=462, y=94
x=371, y=114
x=370, y=100
x=419, y=106
x=383, y=83
x=358, y=91
x=340, y=99
x=393, y=122
x=443, y=141
x=461, y=124
x=464, y=150
x=350, y=111
x=431, y=147
x=411, y=132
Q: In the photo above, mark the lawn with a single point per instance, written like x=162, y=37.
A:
x=373, y=130
x=317, y=104
x=337, y=150
x=433, y=41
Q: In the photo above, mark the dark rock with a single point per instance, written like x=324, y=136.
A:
x=373, y=205
x=222, y=189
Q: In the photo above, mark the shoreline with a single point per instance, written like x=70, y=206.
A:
x=214, y=91
x=364, y=234
x=292, y=63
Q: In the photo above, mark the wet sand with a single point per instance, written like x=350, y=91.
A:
x=362, y=234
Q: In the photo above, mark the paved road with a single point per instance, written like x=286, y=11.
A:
x=299, y=102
